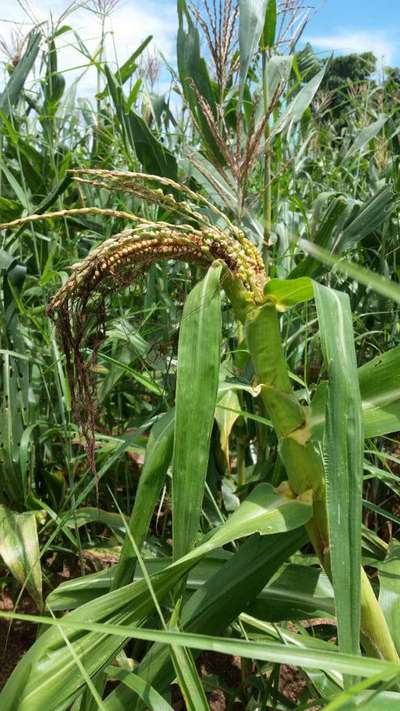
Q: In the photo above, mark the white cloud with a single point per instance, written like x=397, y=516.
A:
x=357, y=42
x=127, y=27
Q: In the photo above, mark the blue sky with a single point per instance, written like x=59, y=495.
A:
x=357, y=25
x=335, y=25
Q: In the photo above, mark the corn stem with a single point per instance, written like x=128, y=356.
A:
x=303, y=463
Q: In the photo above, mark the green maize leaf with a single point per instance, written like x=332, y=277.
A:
x=73, y=593
x=19, y=548
x=251, y=514
x=252, y=18
x=351, y=698
x=323, y=236
x=9, y=210
x=298, y=593
x=376, y=282
x=196, y=398
x=269, y=31
x=226, y=414
x=147, y=693
x=380, y=394
x=381, y=511
x=126, y=347
x=18, y=189
x=12, y=91
x=343, y=450
x=186, y=672
x=90, y=514
x=47, y=675
x=147, y=383
x=157, y=460
x=365, y=136
x=52, y=196
x=195, y=80
x=128, y=68
x=368, y=218
x=289, y=292
x=331, y=233
x=238, y=581
x=155, y=158
x=349, y=664
x=389, y=589
x=17, y=420
x=278, y=69
x=299, y=104
x=375, y=701
x=327, y=682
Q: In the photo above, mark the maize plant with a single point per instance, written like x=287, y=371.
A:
x=252, y=566
x=77, y=649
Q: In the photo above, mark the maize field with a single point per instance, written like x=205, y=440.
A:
x=199, y=371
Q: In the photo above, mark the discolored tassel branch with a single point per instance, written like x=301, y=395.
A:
x=78, y=308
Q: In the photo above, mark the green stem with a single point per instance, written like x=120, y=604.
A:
x=267, y=188
x=302, y=461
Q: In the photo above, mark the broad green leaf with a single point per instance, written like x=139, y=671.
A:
x=129, y=67
x=47, y=674
x=369, y=217
x=376, y=282
x=19, y=548
x=147, y=693
x=277, y=73
x=349, y=664
x=289, y=292
x=298, y=593
x=268, y=35
x=343, y=460
x=389, y=589
x=365, y=136
x=195, y=80
x=226, y=414
x=251, y=24
x=12, y=91
x=299, y=104
x=284, y=514
x=90, y=514
x=380, y=394
x=157, y=460
x=323, y=236
x=216, y=604
x=187, y=675
x=196, y=397
x=153, y=155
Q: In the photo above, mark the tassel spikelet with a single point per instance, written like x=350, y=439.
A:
x=120, y=257
x=78, y=307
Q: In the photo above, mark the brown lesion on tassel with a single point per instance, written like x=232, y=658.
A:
x=79, y=307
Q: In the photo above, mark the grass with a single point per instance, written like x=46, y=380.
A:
x=215, y=402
